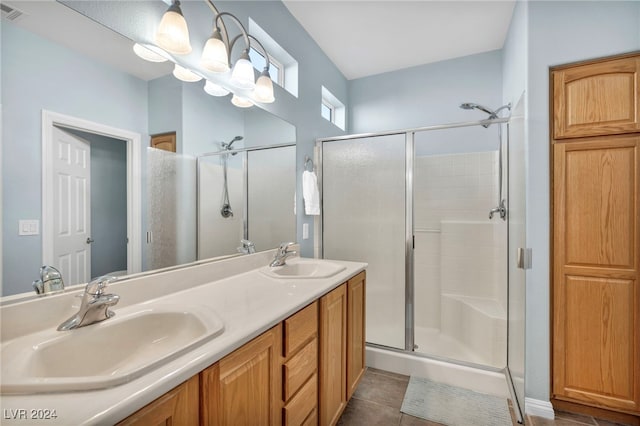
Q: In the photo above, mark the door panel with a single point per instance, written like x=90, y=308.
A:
x=363, y=197
x=72, y=219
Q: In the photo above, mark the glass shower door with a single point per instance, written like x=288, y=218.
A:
x=271, y=189
x=517, y=244
x=363, y=190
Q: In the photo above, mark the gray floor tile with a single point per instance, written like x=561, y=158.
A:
x=383, y=389
x=367, y=413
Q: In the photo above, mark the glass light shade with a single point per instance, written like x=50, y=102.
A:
x=147, y=54
x=241, y=102
x=215, y=89
x=184, y=74
x=264, y=89
x=242, y=74
x=214, y=55
x=172, y=34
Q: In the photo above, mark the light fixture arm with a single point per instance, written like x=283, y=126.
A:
x=243, y=31
x=223, y=27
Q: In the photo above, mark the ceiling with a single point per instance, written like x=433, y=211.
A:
x=58, y=23
x=367, y=37
x=362, y=37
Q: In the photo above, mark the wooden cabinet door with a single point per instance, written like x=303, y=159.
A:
x=596, y=299
x=355, y=332
x=164, y=141
x=333, y=355
x=178, y=407
x=244, y=388
x=597, y=99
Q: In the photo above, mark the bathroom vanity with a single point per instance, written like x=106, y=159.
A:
x=282, y=346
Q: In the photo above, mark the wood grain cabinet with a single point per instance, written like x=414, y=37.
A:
x=355, y=332
x=333, y=355
x=300, y=367
x=596, y=243
x=178, y=407
x=301, y=372
x=342, y=347
x=243, y=388
x=600, y=98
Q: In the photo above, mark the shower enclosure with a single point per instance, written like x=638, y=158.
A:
x=245, y=194
x=415, y=205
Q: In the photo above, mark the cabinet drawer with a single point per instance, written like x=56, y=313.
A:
x=299, y=328
x=299, y=368
x=305, y=401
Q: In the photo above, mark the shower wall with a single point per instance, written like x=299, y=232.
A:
x=459, y=258
x=268, y=189
x=271, y=189
x=217, y=235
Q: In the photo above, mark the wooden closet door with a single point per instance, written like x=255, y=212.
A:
x=596, y=311
x=597, y=98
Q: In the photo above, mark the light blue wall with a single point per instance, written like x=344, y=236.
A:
x=165, y=108
x=34, y=74
x=314, y=67
x=427, y=94
x=559, y=33
x=514, y=56
x=266, y=129
x=208, y=120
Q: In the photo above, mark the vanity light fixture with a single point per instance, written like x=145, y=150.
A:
x=184, y=74
x=173, y=36
x=214, y=89
x=149, y=53
x=241, y=102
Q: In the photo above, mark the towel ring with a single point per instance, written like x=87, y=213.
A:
x=308, y=162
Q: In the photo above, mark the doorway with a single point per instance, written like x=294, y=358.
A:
x=66, y=220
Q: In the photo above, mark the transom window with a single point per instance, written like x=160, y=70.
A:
x=275, y=68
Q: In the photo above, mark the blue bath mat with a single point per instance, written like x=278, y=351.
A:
x=453, y=406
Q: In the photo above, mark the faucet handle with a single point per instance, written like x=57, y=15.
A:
x=284, y=246
x=247, y=247
x=96, y=287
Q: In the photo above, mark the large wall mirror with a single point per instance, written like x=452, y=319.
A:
x=78, y=112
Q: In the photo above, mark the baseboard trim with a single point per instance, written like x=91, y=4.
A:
x=539, y=408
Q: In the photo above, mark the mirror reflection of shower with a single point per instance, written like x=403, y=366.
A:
x=226, y=211
x=501, y=207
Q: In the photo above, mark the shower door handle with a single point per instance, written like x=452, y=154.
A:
x=524, y=258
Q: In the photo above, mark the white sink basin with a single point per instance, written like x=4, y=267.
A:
x=304, y=268
x=109, y=353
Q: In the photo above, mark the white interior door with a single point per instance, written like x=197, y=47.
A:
x=71, y=209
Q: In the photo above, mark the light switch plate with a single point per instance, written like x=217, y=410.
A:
x=305, y=231
x=28, y=227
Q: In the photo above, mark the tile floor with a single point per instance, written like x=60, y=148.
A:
x=379, y=396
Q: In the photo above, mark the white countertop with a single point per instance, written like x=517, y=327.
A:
x=248, y=303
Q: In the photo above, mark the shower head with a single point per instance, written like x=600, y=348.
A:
x=227, y=146
x=469, y=105
x=492, y=114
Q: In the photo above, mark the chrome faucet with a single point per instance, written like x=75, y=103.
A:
x=282, y=253
x=247, y=247
x=95, y=305
x=50, y=281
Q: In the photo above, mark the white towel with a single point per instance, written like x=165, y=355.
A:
x=310, y=193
